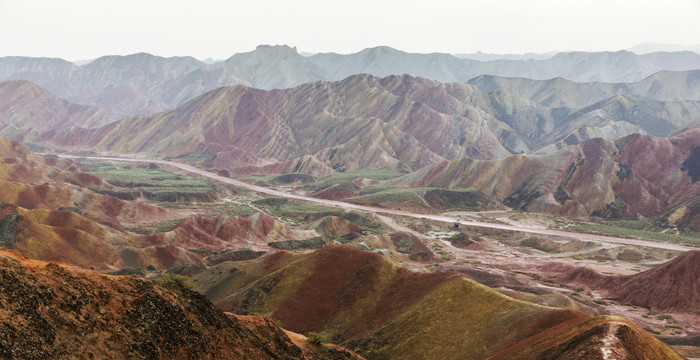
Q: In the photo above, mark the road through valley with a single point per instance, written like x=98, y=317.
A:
x=345, y=205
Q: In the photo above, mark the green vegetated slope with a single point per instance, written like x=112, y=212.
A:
x=381, y=310
x=133, y=182
x=428, y=199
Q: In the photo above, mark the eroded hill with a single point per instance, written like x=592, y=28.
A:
x=52, y=310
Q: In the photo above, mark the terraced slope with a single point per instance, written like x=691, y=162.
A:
x=59, y=311
x=382, y=310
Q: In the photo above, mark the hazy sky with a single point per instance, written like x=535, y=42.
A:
x=85, y=29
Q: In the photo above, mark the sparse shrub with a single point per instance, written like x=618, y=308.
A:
x=653, y=331
x=580, y=289
x=601, y=302
x=663, y=317
x=673, y=326
x=577, y=258
x=316, y=338
x=575, y=294
x=173, y=281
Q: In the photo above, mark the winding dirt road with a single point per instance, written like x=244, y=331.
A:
x=345, y=205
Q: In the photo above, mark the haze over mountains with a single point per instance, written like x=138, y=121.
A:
x=610, y=135
x=441, y=133
x=143, y=83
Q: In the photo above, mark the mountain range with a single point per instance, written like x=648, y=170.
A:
x=143, y=83
x=447, y=135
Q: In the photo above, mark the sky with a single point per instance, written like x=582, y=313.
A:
x=86, y=29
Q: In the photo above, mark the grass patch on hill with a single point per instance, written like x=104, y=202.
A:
x=156, y=227
x=467, y=199
x=306, y=211
x=381, y=194
x=227, y=209
x=256, y=179
x=346, y=177
x=152, y=183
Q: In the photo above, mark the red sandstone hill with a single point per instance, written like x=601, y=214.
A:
x=638, y=176
x=382, y=311
x=59, y=311
x=673, y=286
x=454, y=133
x=194, y=239
x=59, y=219
x=600, y=338
x=64, y=235
x=311, y=128
x=26, y=108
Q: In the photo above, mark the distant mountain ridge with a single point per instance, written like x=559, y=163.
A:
x=446, y=135
x=398, y=122
x=558, y=92
x=144, y=84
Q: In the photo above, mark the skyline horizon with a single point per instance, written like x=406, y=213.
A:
x=84, y=29
x=661, y=47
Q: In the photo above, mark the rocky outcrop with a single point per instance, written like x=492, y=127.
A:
x=56, y=311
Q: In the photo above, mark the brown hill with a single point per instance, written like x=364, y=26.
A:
x=673, y=286
x=384, y=311
x=596, y=177
x=421, y=122
x=597, y=339
x=559, y=92
x=223, y=279
x=59, y=311
x=26, y=107
x=685, y=215
x=320, y=127
x=334, y=226
x=58, y=221
x=64, y=235
x=19, y=164
x=196, y=238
